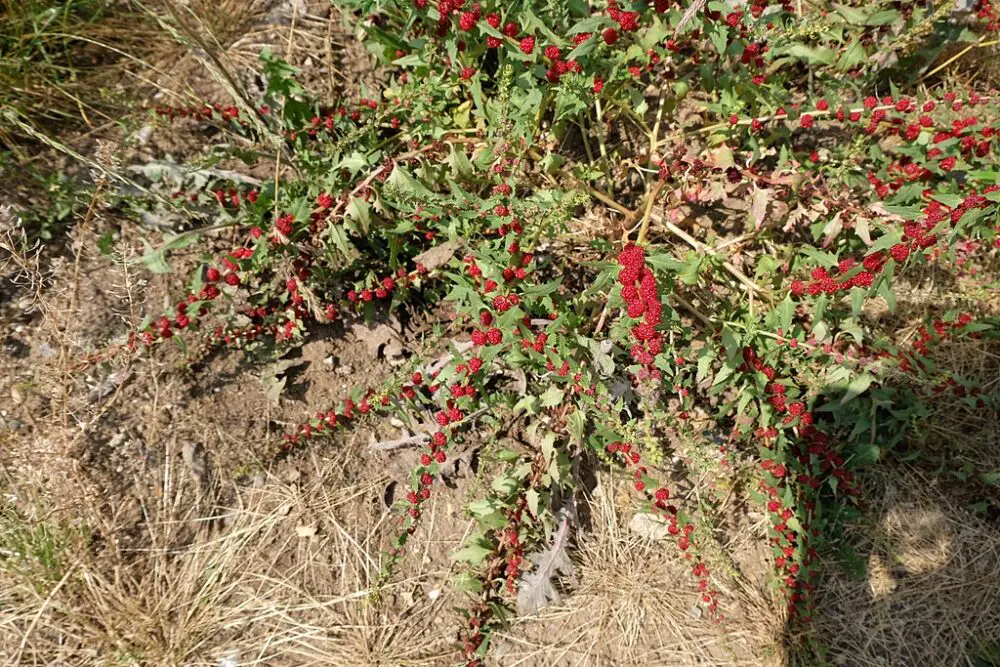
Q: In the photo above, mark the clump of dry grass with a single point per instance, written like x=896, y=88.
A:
x=932, y=592
x=635, y=604
x=284, y=576
x=212, y=51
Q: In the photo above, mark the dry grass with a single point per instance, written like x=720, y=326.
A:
x=932, y=594
x=284, y=577
x=226, y=38
x=634, y=604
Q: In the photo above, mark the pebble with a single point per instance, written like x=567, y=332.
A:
x=649, y=526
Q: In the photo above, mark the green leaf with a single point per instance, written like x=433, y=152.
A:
x=907, y=212
x=527, y=404
x=490, y=30
x=532, y=497
x=106, y=243
x=991, y=478
x=732, y=342
x=886, y=241
x=505, y=485
x=951, y=201
x=653, y=34
x=401, y=179
x=584, y=48
x=412, y=60
x=824, y=259
x=858, y=295
x=154, y=260
x=689, y=270
x=867, y=454
x=989, y=176
x=851, y=14
x=336, y=233
x=726, y=372
x=459, y=162
x=885, y=291
x=552, y=397
x=542, y=290
x=664, y=262
x=473, y=554
x=704, y=365
x=577, y=424
x=858, y=386
x=851, y=56
x=720, y=39
x=822, y=55
x=532, y=21
x=359, y=211
x=589, y=24
x=786, y=310
x=884, y=17
x=468, y=582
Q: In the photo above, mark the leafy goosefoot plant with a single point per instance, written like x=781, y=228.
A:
x=797, y=374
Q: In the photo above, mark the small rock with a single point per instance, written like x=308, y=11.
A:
x=305, y=531
x=194, y=457
x=230, y=658
x=9, y=423
x=649, y=526
x=143, y=135
x=291, y=474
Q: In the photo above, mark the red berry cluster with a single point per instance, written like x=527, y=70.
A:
x=383, y=288
x=848, y=274
x=323, y=423
x=642, y=300
x=988, y=12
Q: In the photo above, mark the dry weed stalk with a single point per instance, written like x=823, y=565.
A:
x=20, y=262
